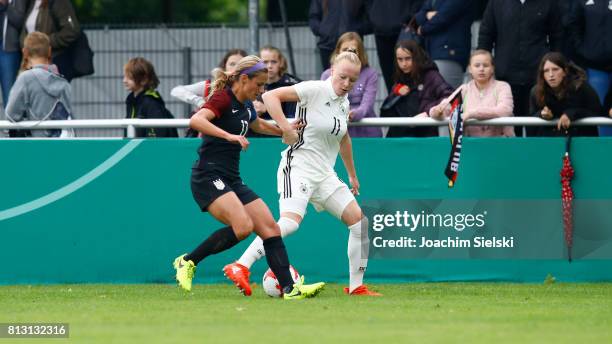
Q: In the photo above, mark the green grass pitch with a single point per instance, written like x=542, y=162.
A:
x=408, y=313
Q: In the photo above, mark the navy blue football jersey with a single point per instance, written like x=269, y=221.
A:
x=217, y=154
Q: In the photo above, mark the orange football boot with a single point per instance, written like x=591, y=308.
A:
x=362, y=290
x=239, y=274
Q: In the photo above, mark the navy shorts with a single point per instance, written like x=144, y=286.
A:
x=207, y=186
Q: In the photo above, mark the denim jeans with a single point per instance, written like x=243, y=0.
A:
x=9, y=66
x=601, y=81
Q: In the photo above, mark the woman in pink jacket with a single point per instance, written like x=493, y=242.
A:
x=483, y=98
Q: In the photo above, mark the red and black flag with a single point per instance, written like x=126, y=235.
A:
x=455, y=126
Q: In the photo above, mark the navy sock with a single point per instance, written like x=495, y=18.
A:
x=277, y=258
x=219, y=241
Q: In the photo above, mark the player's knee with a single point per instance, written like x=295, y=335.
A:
x=352, y=214
x=268, y=230
x=273, y=228
x=242, y=226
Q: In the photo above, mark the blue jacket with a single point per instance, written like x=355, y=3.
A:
x=447, y=35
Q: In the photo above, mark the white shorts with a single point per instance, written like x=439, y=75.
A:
x=296, y=190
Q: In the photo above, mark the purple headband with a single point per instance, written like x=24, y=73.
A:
x=255, y=68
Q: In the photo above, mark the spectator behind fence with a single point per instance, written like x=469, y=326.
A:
x=363, y=94
x=276, y=63
x=58, y=20
x=144, y=101
x=40, y=93
x=387, y=18
x=328, y=19
x=591, y=37
x=445, y=26
x=483, y=98
x=12, y=13
x=418, y=87
x=520, y=33
x=196, y=94
x=562, y=92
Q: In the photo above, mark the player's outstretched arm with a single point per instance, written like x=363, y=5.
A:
x=273, y=100
x=263, y=127
x=201, y=122
x=346, y=153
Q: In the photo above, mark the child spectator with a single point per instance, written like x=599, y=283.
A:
x=196, y=94
x=144, y=101
x=40, y=93
x=363, y=94
x=387, y=18
x=276, y=63
x=561, y=92
x=418, y=87
x=483, y=98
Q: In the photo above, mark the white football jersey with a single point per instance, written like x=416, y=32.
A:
x=325, y=115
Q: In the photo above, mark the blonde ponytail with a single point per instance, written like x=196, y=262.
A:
x=249, y=65
x=220, y=80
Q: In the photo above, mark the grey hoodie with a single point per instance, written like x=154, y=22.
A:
x=36, y=93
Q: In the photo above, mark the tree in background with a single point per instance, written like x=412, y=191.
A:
x=297, y=11
x=182, y=11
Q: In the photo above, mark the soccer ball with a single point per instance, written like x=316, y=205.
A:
x=270, y=283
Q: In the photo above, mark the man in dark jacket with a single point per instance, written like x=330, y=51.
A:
x=520, y=32
x=590, y=28
x=387, y=18
x=329, y=19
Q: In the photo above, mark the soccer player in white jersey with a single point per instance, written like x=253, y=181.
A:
x=306, y=171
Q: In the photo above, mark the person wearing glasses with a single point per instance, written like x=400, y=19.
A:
x=363, y=94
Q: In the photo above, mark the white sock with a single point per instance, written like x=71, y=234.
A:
x=358, y=250
x=256, y=251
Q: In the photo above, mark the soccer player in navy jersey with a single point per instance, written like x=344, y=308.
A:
x=215, y=180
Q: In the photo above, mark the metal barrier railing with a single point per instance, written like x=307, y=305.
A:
x=132, y=124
